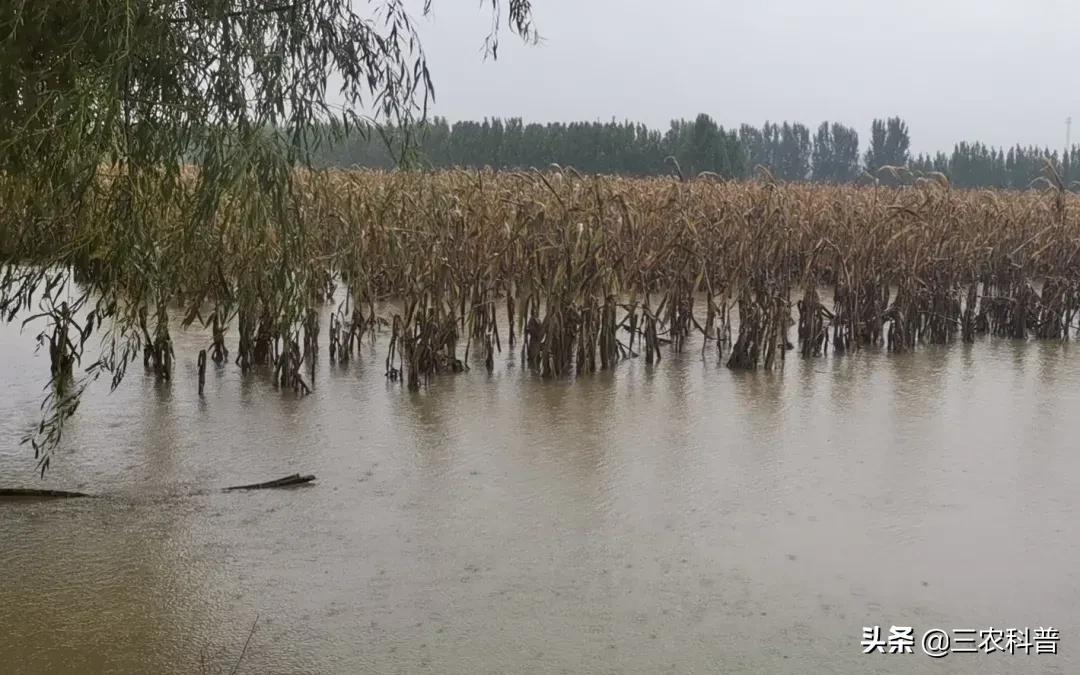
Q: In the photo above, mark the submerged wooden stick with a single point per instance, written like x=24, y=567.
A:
x=287, y=481
x=202, y=371
x=32, y=493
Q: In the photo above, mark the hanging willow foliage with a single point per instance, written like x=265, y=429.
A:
x=119, y=115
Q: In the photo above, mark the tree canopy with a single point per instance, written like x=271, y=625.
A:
x=786, y=149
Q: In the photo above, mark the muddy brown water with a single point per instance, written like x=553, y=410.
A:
x=673, y=518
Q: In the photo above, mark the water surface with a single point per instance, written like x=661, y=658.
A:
x=670, y=518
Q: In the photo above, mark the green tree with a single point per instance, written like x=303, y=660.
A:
x=835, y=154
x=889, y=144
x=705, y=151
x=793, y=154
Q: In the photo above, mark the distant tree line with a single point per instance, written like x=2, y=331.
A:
x=976, y=165
x=788, y=150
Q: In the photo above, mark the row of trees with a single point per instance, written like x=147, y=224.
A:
x=788, y=150
x=976, y=165
x=595, y=147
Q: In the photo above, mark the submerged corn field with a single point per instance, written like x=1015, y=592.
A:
x=574, y=273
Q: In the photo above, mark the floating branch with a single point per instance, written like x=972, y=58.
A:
x=30, y=493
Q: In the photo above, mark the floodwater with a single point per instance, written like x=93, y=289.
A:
x=670, y=518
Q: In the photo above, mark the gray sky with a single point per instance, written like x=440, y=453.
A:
x=999, y=71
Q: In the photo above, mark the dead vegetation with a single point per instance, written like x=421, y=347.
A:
x=576, y=273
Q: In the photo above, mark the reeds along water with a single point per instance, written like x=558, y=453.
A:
x=577, y=273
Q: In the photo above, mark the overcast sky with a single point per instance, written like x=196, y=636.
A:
x=1000, y=71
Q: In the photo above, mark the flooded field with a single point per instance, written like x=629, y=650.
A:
x=680, y=517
